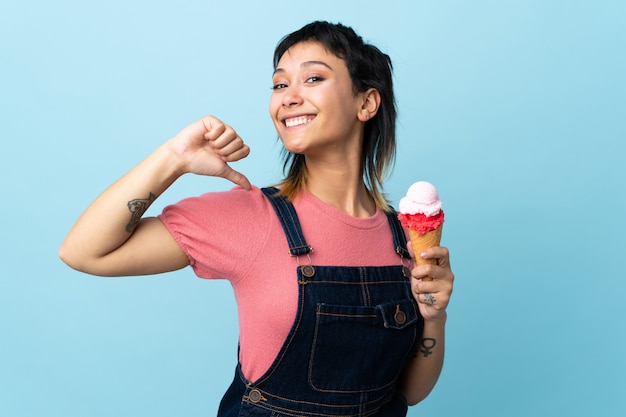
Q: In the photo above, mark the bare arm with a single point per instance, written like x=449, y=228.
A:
x=111, y=239
x=422, y=372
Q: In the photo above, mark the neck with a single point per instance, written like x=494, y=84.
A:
x=340, y=186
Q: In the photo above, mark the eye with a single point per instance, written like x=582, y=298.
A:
x=314, y=79
x=279, y=86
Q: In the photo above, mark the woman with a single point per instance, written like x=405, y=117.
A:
x=329, y=324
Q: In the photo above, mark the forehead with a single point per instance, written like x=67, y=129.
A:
x=309, y=52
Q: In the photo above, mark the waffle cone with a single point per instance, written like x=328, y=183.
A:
x=425, y=241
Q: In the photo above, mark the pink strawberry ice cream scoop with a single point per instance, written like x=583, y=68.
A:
x=420, y=210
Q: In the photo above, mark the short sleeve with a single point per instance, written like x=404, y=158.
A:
x=220, y=232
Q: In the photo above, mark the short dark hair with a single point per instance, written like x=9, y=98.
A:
x=369, y=68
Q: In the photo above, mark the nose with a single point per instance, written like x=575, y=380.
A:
x=291, y=96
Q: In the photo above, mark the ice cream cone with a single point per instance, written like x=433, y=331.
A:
x=421, y=213
x=425, y=241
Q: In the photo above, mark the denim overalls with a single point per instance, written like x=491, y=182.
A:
x=355, y=330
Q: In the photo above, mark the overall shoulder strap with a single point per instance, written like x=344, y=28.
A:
x=289, y=221
x=399, y=238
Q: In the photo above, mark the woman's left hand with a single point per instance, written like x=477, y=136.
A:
x=432, y=296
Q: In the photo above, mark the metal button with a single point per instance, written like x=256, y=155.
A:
x=400, y=317
x=255, y=396
x=406, y=272
x=307, y=270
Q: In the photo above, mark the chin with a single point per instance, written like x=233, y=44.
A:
x=297, y=151
x=292, y=147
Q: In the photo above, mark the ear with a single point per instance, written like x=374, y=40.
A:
x=369, y=105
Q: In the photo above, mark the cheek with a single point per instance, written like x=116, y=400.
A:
x=274, y=105
x=273, y=108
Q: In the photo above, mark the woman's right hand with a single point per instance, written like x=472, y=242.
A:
x=111, y=237
x=206, y=146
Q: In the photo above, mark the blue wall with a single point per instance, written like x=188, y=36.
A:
x=514, y=109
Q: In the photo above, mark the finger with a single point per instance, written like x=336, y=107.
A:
x=426, y=272
x=428, y=298
x=442, y=279
x=434, y=252
x=440, y=288
x=236, y=177
x=241, y=153
x=232, y=146
x=439, y=292
x=439, y=254
x=214, y=127
x=219, y=140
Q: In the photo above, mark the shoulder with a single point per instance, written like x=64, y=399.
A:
x=224, y=204
x=211, y=228
x=216, y=216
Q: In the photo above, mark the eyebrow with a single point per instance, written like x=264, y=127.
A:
x=307, y=64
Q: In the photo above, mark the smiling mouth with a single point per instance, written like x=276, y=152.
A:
x=298, y=121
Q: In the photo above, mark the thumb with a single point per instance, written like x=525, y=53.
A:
x=236, y=177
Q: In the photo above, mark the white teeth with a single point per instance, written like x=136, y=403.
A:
x=297, y=121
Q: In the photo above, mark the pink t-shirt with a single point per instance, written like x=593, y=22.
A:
x=236, y=235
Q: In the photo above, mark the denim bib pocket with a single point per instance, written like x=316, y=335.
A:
x=380, y=335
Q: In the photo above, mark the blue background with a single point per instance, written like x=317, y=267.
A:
x=514, y=109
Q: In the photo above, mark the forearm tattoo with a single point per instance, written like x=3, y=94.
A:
x=426, y=346
x=137, y=208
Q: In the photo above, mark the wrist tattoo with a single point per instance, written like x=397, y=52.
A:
x=427, y=345
x=137, y=208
